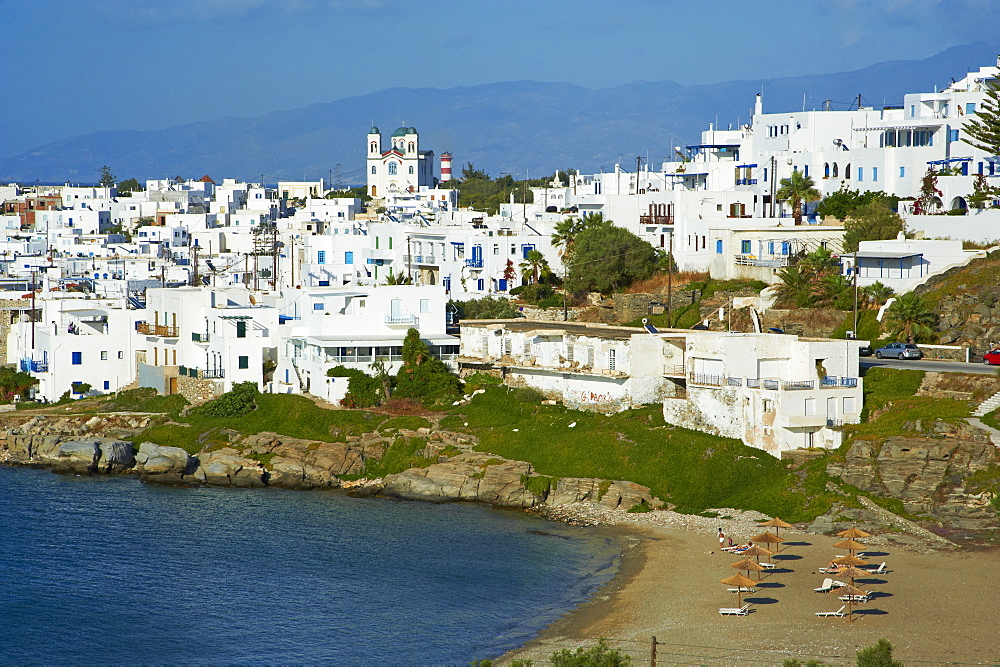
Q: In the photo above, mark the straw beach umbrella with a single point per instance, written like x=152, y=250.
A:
x=777, y=523
x=850, y=545
x=850, y=591
x=767, y=538
x=740, y=582
x=758, y=551
x=748, y=565
x=852, y=560
x=854, y=533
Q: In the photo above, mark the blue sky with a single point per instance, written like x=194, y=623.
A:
x=71, y=67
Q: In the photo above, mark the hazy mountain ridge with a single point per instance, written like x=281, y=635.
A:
x=515, y=126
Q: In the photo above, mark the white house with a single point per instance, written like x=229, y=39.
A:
x=903, y=264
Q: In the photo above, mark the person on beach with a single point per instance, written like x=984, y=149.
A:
x=722, y=539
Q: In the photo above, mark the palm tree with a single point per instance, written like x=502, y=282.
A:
x=818, y=264
x=798, y=188
x=593, y=220
x=876, y=294
x=534, y=266
x=564, y=236
x=837, y=290
x=795, y=287
x=910, y=316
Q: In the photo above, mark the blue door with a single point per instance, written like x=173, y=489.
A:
x=502, y=285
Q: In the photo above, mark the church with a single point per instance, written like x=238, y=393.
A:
x=400, y=167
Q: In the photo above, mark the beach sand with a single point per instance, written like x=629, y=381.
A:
x=938, y=606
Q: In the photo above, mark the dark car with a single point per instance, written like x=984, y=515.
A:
x=865, y=351
x=992, y=358
x=899, y=351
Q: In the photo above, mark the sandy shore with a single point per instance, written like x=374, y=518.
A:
x=937, y=606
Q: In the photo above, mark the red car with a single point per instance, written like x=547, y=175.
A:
x=992, y=358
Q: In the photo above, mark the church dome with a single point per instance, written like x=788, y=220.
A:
x=401, y=132
x=374, y=130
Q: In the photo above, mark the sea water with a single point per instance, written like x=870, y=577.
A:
x=109, y=570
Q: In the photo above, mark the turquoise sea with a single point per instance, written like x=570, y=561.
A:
x=109, y=570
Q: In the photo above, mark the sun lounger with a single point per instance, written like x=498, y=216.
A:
x=767, y=566
x=743, y=589
x=733, y=611
x=839, y=612
x=881, y=569
x=857, y=599
x=826, y=587
x=829, y=570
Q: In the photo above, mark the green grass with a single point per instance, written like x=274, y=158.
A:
x=408, y=422
x=869, y=328
x=693, y=470
x=401, y=455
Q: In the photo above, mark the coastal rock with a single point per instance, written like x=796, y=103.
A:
x=165, y=465
x=612, y=495
x=116, y=456
x=468, y=476
x=77, y=456
x=289, y=473
x=226, y=467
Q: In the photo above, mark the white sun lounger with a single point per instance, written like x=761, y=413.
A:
x=743, y=589
x=839, y=612
x=857, y=598
x=826, y=587
x=733, y=611
x=881, y=569
x=767, y=566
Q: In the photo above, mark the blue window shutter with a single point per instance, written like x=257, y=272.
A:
x=77, y=358
x=718, y=246
x=321, y=257
x=502, y=284
x=861, y=174
x=479, y=285
x=349, y=257
x=745, y=247
x=874, y=173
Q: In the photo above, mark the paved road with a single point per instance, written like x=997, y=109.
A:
x=940, y=366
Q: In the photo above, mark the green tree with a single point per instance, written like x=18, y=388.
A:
x=599, y=655
x=982, y=192
x=564, y=236
x=983, y=131
x=240, y=400
x=819, y=264
x=14, y=383
x=871, y=222
x=363, y=390
x=422, y=375
x=398, y=279
x=911, y=317
x=844, y=202
x=879, y=655
x=486, y=308
x=128, y=186
x=607, y=258
x=107, y=178
x=798, y=189
x=534, y=267
x=838, y=291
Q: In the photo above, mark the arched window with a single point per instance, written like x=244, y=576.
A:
x=826, y=170
x=374, y=147
x=392, y=168
x=373, y=169
x=411, y=169
x=412, y=147
x=835, y=170
x=847, y=171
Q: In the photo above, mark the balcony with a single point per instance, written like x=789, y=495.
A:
x=656, y=219
x=474, y=263
x=156, y=330
x=752, y=260
x=213, y=374
x=401, y=318
x=33, y=366
x=746, y=181
x=830, y=381
x=200, y=337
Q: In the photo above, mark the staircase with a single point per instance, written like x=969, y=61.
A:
x=989, y=405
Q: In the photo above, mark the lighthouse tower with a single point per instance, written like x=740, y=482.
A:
x=445, y=167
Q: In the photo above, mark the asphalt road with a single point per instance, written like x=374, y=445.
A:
x=924, y=365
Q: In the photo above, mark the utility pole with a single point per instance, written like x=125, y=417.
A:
x=670, y=303
x=409, y=259
x=774, y=179
x=291, y=256
x=638, y=162
x=652, y=652
x=854, y=272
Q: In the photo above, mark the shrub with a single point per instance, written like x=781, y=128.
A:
x=534, y=293
x=241, y=400
x=486, y=308
x=879, y=655
x=363, y=390
x=423, y=376
x=599, y=655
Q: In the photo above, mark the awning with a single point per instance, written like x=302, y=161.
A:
x=86, y=312
x=375, y=341
x=685, y=174
x=950, y=160
x=713, y=146
x=874, y=254
x=343, y=293
x=746, y=166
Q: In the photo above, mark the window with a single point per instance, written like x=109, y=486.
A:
x=861, y=174
x=745, y=247
x=411, y=169
x=321, y=257
x=241, y=329
x=913, y=111
x=373, y=169
x=349, y=257
x=902, y=172
x=77, y=358
x=952, y=135
x=970, y=107
x=480, y=285
x=121, y=354
x=390, y=243
x=104, y=355
x=243, y=362
x=319, y=306
x=392, y=168
x=107, y=385
x=425, y=305
x=874, y=173
x=718, y=246
x=810, y=406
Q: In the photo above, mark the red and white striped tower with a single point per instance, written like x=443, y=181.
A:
x=445, y=167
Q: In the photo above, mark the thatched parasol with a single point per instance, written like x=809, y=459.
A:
x=850, y=559
x=758, y=551
x=740, y=582
x=852, y=572
x=850, y=545
x=748, y=565
x=854, y=533
x=768, y=538
x=850, y=590
x=777, y=523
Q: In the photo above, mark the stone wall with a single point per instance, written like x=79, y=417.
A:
x=6, y=317
x=198, y=390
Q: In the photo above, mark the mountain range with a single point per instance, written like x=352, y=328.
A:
x=522, y=127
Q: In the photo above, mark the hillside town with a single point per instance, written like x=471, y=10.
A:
x=192, y=285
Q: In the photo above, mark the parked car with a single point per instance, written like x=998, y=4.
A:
x=865, y=351
x=992, y=357
x=899, y=351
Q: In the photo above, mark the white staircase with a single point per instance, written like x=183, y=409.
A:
x=987, y=406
